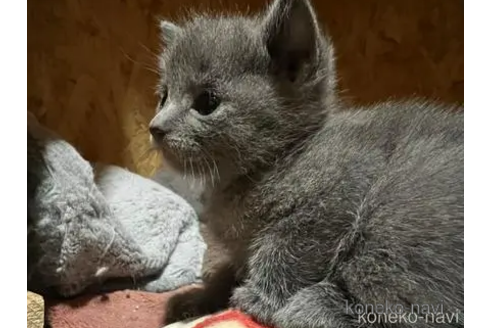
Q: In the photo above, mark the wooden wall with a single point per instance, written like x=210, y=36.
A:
x=90, y=62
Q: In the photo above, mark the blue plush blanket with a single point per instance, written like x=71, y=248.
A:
x=103, y=227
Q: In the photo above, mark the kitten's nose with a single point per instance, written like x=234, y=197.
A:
x=157, y=132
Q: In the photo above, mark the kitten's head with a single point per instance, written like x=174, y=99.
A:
x=237, y=92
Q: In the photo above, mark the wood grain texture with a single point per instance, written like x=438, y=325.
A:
x=90, y=62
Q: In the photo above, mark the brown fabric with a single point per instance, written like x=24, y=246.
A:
x=121, y=309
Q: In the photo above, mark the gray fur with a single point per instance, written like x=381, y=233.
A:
x=190, y=191
x=316, y=206
x=169, y=31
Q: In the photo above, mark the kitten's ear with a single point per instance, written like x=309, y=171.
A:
x=168, y=31
x=291, y=34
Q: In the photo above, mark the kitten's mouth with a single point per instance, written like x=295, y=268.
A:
x=168, y=146
x=187, y=158
x=170, y=152
x=175, y=156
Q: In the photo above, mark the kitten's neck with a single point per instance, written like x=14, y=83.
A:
x=234, y=182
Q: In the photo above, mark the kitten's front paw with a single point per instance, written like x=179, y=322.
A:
x=251, y=301
x=312, y=308
x=186, y=305
x=291, y=316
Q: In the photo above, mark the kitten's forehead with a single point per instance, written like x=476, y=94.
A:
x=216, y=47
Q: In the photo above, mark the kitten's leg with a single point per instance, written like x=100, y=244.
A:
x=213, y=297
x=219, y=276
x=323, y=306
x=216, y=255
x=288, y=257
x=318, y=306
x=385, y=292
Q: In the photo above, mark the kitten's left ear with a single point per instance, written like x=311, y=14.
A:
x=169, y=31
x=291, y=34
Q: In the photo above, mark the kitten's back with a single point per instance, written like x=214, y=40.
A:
x=390, y=179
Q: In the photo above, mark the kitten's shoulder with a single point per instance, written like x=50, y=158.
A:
x=401, y=110
x=391, y=119
x=360, y=141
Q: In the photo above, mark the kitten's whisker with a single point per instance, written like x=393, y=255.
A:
x=192, y=173
x=203, y=178
x=184, y=168
x=210, y=173
x=206, y=159
x=215, y=171
x=154, y=54
x=208, y=165
x=145, y=66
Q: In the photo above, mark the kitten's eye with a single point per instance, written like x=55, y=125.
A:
x=163, y=99
x=206, y=103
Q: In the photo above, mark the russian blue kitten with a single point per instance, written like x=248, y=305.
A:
x=323, y=213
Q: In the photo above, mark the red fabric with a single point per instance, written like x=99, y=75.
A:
x=231, y=315
x=128, y=309
x=121, y=309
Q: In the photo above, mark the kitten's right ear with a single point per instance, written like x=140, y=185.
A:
x=291, y=35
x=169, y=31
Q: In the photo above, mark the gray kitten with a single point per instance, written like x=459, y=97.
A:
x=326, y=216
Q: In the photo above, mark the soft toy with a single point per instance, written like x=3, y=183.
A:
x=100, y=226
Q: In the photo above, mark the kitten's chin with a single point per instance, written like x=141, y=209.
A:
x=172, y=161
x=182, y=165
